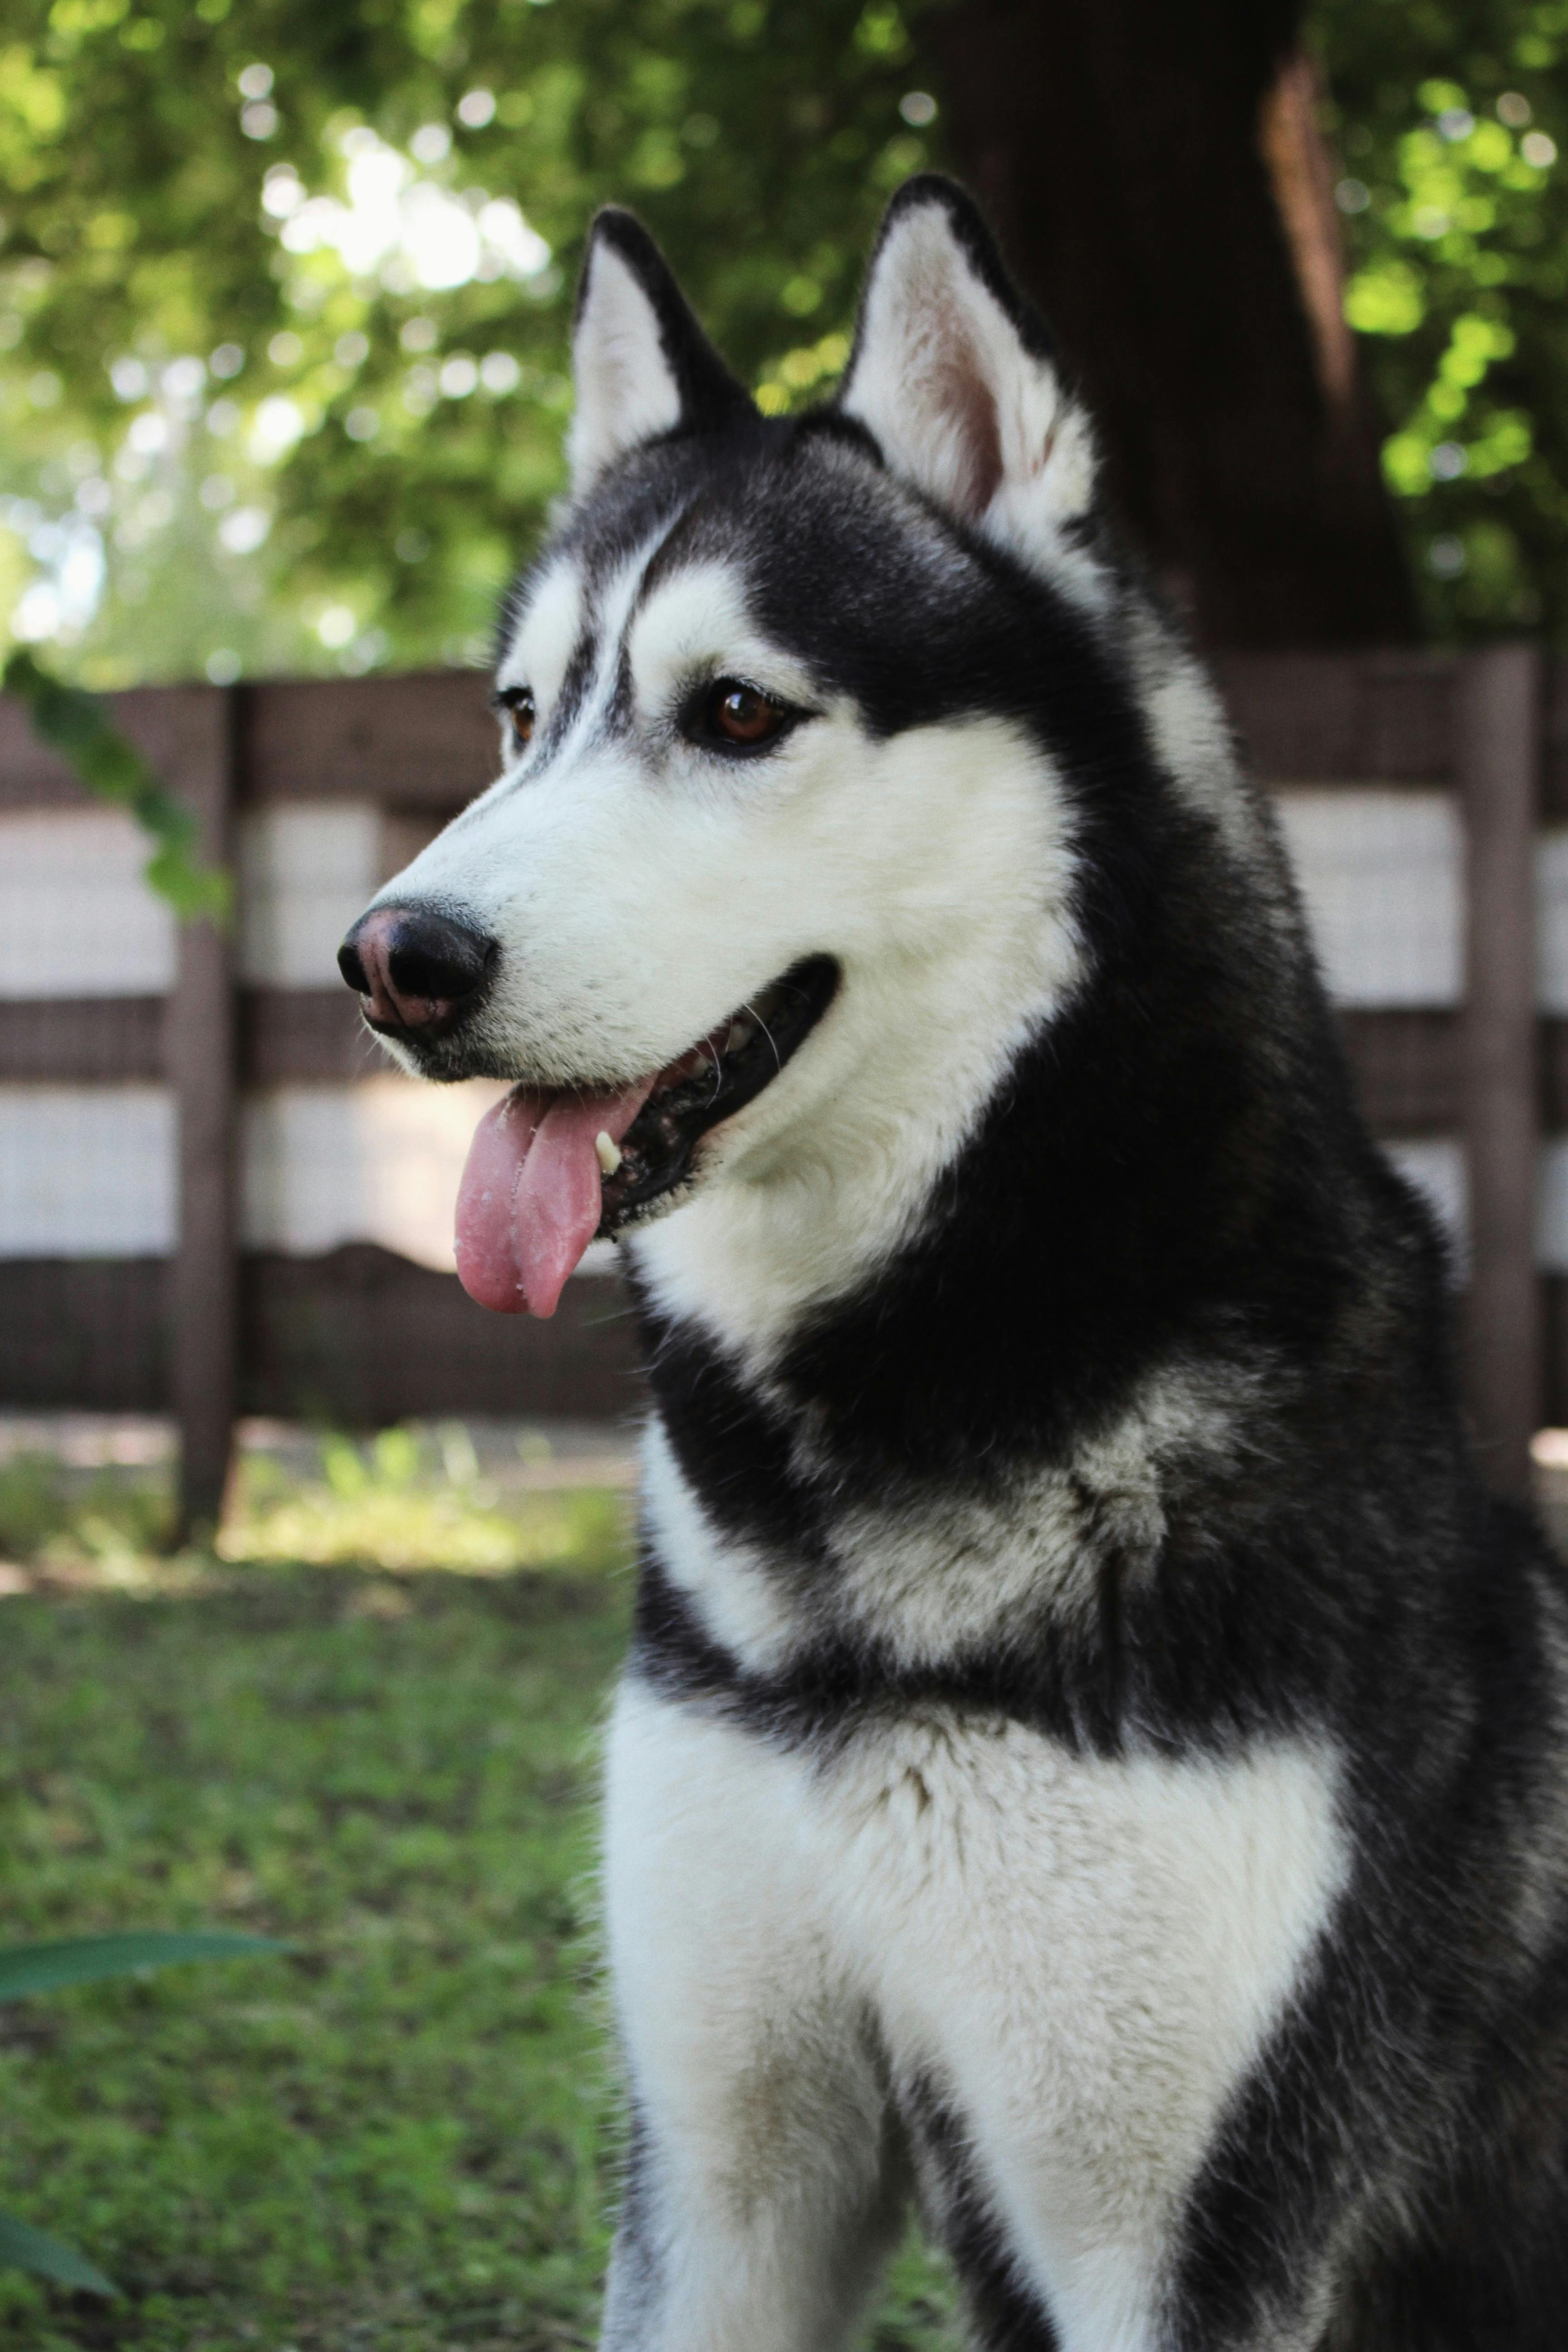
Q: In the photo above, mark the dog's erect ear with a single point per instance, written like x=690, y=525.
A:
x=955, y=379
x=643, y=365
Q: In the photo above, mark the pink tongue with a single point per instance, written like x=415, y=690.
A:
x=530, y=1202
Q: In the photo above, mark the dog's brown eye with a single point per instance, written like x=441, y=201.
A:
x=521, y=709
x=517, y=701
x=741, y=715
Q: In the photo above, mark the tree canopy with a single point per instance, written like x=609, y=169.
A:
x=285, y=287
x=1450, y=120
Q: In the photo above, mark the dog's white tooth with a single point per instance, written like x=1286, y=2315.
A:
x=740, y=1035
x=609, y=1153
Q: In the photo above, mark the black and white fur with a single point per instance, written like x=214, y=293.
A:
x=1093, y=1754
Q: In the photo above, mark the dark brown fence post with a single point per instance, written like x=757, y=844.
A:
x=195, y=755
x=1500, y=721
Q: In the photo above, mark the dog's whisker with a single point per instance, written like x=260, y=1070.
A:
x=778, y=1058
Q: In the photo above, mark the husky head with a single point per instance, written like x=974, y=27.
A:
x=782, y=866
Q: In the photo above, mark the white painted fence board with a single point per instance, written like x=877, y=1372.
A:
x=379, y=1161
x=87, y=1172
x=1552, y=1221
x=1436, y=1166
x=1382, y=873
x=76, y=917
x=1551, y=920
x=306, y=870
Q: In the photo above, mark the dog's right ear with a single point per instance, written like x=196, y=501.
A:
x=644, y=368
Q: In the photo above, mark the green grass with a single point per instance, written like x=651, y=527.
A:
x=401, y=2137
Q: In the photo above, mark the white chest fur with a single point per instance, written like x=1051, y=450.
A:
x=1084, y=1956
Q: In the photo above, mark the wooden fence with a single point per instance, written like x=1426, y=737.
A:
x=1461, y=1051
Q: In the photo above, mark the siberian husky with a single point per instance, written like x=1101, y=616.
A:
x=1091, y=1757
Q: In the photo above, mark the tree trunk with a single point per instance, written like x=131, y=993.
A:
x=1156, y=174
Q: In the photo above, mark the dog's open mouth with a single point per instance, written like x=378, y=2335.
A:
x=551, y=1168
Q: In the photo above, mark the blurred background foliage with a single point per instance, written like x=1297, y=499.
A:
x=284, y=288
x=1448, y=118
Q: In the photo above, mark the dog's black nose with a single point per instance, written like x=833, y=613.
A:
x=419, y=973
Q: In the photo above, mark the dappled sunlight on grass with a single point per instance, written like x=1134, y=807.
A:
x=407, y=1499
x=389, y=1505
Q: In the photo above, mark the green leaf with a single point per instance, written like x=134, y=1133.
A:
x=83, y=1959
x=74, y=724
x=25, y=2249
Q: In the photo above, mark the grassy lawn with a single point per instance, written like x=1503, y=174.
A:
x=402, y=2135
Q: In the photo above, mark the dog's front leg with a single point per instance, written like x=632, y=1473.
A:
x=766, y=2180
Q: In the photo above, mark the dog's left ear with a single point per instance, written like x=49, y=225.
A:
x=643, y=366
x=955, y=379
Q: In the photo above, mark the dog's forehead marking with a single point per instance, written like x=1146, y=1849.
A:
x=546, y=635
x=613, y=607
x=566, y=614
x=697, y=621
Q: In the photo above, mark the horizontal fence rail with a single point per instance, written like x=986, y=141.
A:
x=214, y=1196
